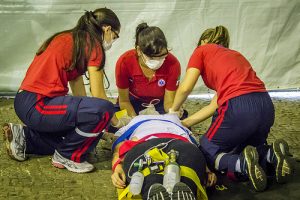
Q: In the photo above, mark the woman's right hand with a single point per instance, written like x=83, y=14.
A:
x=118, y=177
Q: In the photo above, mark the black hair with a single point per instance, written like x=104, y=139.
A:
x=150, y=39
x=87, y=34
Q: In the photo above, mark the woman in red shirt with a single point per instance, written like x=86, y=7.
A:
x=67, y=126
x=147, y=72
x=242, y=111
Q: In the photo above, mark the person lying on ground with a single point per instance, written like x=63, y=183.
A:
x=161, y=133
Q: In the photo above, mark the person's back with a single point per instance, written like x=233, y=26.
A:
x=48, y=73
x=226, y=71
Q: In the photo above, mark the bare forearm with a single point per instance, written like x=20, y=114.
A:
x=115, y=158
x=128, y=106
x=202, y=114
x=181, y=96
x=77, y=87
x=96, y=83
x=185, y=88
x=116, y=154
x=168, y=99
x=167, y=106
x=199, y=116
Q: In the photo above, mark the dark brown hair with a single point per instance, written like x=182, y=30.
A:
x=150, y=39
x=218, y=35
x=86, y=34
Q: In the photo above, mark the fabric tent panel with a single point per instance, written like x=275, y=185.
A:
x=265, y=33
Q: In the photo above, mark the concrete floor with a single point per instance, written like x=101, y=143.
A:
x=37, y=179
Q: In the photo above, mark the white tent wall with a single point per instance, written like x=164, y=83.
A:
x=264, y=31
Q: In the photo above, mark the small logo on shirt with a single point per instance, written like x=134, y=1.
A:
x=161, y=82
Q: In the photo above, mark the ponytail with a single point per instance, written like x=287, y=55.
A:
x=138, y=30
x=218, y=35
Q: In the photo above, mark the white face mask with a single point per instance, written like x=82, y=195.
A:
x=153, y=64
x=107, y=45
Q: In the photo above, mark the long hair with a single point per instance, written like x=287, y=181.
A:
x=87, y=34
x=150, y=39
x=218, y=35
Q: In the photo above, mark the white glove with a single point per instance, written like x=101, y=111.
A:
x=123, y=121
x=179, y=113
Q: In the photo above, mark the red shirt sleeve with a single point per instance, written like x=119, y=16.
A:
x=96, y=56
x=196, y=60
x=121, y=73
x=174, y=74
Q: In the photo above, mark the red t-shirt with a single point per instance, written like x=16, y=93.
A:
x=226, y=71
x=130, y=75
x=47, y=75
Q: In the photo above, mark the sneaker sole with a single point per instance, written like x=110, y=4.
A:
x=182, y=192
x=8, y=139
x=158, y=192
x=252, y=157
x=284, y=167
x=60, y=165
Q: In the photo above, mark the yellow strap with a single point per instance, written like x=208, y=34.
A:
x=158, y=155
x=191, y=174
x=125, y=194
x=221, y=187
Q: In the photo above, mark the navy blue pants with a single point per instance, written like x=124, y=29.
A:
x=241, y=121
x=70, y=125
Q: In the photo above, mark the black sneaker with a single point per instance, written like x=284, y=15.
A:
x=158, y=192
x=182, y=192
x=250, y=166
x=284, y=168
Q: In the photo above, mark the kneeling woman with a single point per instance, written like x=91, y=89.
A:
x=242, y=112
x=67, y=126
x=147, y=72
x=148, y=139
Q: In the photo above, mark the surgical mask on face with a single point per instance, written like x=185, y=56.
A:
x=107, y=45
x=154, y=64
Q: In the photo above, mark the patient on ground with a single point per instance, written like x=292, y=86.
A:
x=164, y=156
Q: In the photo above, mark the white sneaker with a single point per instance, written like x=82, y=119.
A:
x=62, y=162
x=15, y=143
